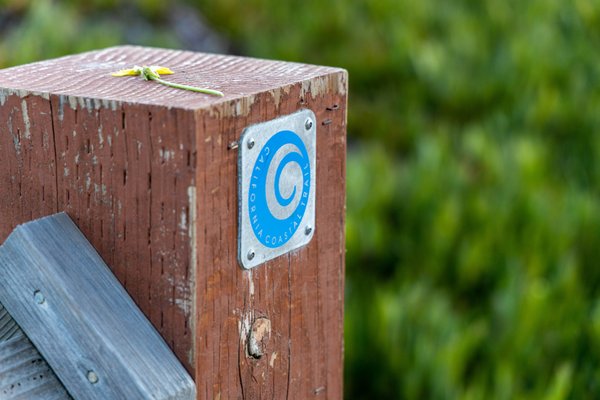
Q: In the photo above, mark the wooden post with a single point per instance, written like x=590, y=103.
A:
x=150, y=176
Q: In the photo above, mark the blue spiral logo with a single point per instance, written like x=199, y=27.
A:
x=279, y=189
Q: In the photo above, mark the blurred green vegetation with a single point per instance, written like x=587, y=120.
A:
x=473, y=264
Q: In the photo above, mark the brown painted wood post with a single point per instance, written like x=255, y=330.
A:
x=150, y=176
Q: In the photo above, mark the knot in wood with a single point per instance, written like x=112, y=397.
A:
x=259, y=337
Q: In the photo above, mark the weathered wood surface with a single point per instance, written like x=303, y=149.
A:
x=146, y=173
x=65, y=298
x=8, y=326
x=24, y=374
x=300, y=293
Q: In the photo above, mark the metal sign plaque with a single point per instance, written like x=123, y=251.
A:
x=276, y=172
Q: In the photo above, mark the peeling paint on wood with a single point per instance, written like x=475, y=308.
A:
x=127, y=162
x=193, y=246
x=301, y=293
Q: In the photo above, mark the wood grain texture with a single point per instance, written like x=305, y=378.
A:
x=124, y=172
x=300, y=293
x=8, y=326
x=70, y=305
x=146, y=173
x=87, y=76
x=24, y=374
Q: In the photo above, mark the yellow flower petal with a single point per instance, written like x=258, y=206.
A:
x=161, y=70
x=127, y=72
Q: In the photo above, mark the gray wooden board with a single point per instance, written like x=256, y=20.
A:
x=82, y=320
x=8, y=326
x=24, y=375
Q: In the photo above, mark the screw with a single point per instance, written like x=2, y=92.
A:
x=39, y=297
x=308, y=124
x=92, y=377
x=307, y=230
x=250, y=143
x=251, y=254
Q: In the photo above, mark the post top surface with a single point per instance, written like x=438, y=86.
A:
x=87, y=75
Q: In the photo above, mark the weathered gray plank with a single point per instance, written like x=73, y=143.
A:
x=99, y=344
x=24, y=375
x=8, y=326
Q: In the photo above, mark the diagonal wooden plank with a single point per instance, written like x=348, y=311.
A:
x=61, y=293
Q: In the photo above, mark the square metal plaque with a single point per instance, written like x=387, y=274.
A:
x=276, y=172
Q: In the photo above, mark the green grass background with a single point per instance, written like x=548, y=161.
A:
x=473, y=235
